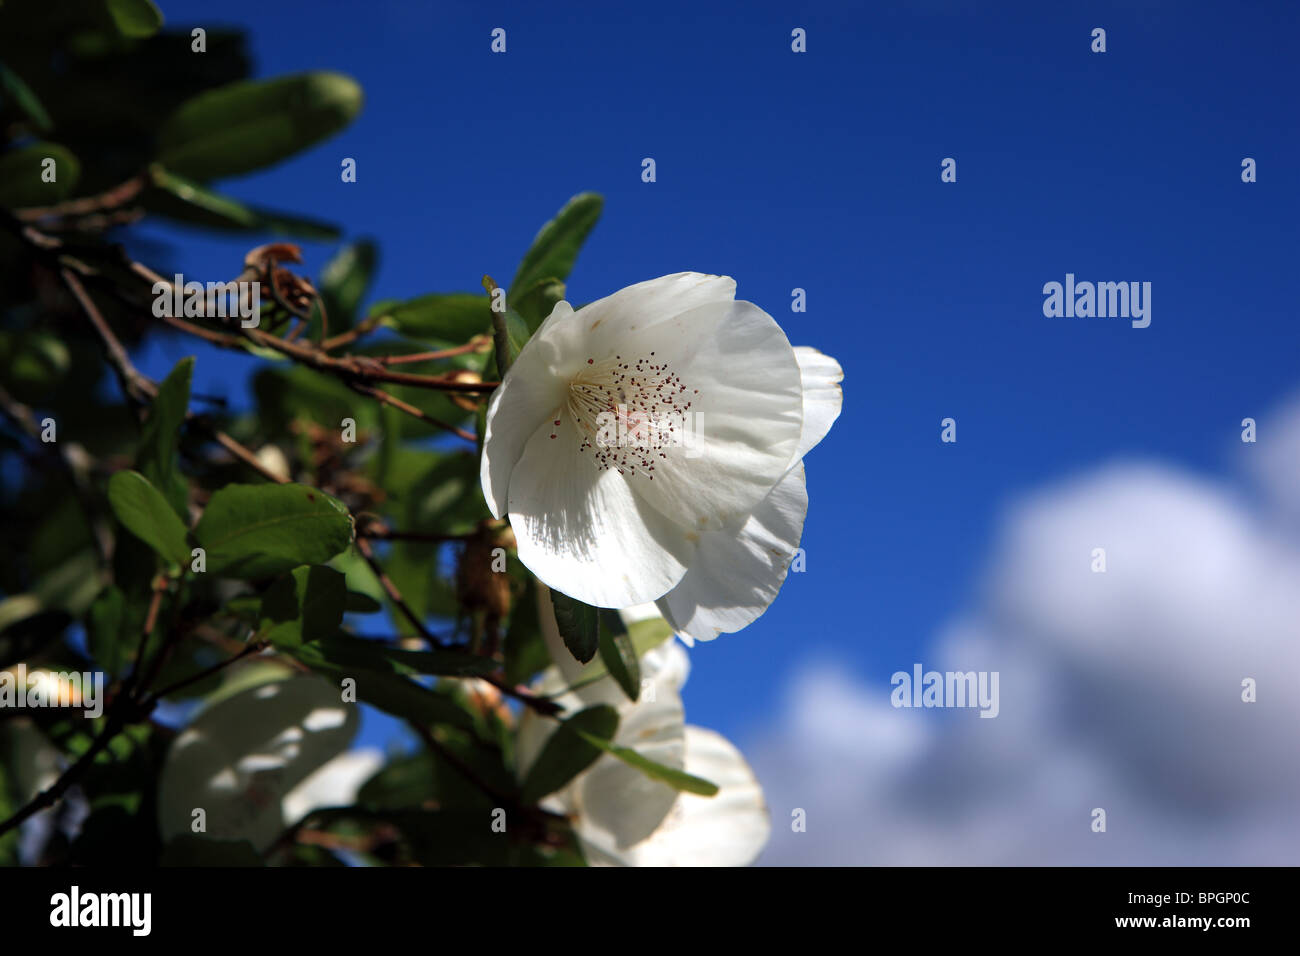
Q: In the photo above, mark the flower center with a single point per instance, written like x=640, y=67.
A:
x=628, y=410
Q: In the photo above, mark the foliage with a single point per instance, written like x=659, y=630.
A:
x=202, y=556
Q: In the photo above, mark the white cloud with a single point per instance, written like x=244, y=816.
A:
x=1119, y=690
x=1275, y=458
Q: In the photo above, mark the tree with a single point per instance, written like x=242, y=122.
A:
x=238, y=580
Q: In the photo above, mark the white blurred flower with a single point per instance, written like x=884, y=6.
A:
x=260, y=759
x=622, y=817
x=649, y=446
x=335, y=784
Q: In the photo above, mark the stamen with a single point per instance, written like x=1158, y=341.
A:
x=627, y=410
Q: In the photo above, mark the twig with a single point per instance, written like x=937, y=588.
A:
x=243, y=454
x=158, y=588
x=170, y=689
x=347, y=367
x=542, y=705
x=141, y=388
x=382, y=532
x=136, y=386
x=115, y=720
x=395, y=595
x=476, y=344
x=446, y=753
x=384, y=398
x=107, y=201
x=364, y=327
x=25, y=420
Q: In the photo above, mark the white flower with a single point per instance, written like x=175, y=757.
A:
x=649, y=446
x=622, y=817
x=261, y=759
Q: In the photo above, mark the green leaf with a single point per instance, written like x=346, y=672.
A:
x=452, y=317
x=525, y=650
x=253, y=531
x=358, y=603
x=135, y=18
x=23, y=175
x=579, y=626
x=576, y=744
x=619, y=654
x=645, y=635
x=517, y=335
x=184, y=200
x=297, y=392
x=252, y=728
x=555, y=249
x=405, y=781
x=13, y=88
x=426, y=775
x=244, y=126
x=347, y=651
x=391, y=692
x=536, y=304
x=304, y=605
x=344, y=281
x=156, y=457
x=34, y=363
x=146, y=514
x=677, y=779
x=104, y=629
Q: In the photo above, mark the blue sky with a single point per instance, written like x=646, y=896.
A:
x=822, y=171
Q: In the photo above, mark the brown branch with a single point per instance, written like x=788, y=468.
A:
x=136, y=386
x=158, y=587
x=543, y=705
x=448, y=755
x=208, y=335
x=364, y=327
x=346, y=367
x=24, y=420
x=477, y=344
x=110, y=200
x=381, y=532
x=395, y=595
x=124, y=710
x=115, y=720
x=384, y=398
x=153, y=698
x=352, y=367
x=140, y=387
x=243, y=454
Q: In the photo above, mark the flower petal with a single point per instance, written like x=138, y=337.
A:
x=617, y=805
x=605, y=325
x=727, y=829
x=822, y=396
x=531, y=390
x=239, y=757
x=736, y=575
x=335, y=784
x=747, y=416
x=582, y=531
